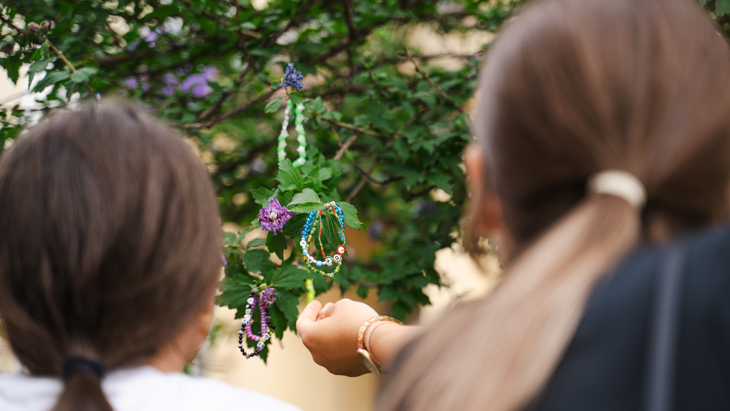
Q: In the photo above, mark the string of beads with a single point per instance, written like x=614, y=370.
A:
x=267, y=328
x=314, y=219
x=301, y=134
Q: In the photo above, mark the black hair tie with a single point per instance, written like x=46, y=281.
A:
x=75, y=365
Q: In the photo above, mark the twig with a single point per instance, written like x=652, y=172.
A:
x=369, y=176
x=212, y=109
x=293, y=22
x=361, y=183
x=341, y=152
x=216, y=120
x=419, y=193
x=431, y=83
x=16, y=28
x=354, y=128
x=68, y=63
x=51, y=45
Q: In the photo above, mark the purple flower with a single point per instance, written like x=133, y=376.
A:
x=273, y=217
x=224, y=263
x=198, y=83
x=268, y=296
x=292, y=77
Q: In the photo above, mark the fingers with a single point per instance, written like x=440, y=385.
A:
x=326, y=311
x=308, y=317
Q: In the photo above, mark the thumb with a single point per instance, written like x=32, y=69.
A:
x=308, y=317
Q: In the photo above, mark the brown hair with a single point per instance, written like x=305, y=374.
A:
x=110, y=242
x=572, y=88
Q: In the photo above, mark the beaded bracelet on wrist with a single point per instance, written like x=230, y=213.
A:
x=267, y=328
x=315, y=218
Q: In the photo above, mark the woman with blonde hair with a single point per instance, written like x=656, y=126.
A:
x=601, y=166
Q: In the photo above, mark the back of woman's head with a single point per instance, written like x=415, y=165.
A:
x=570, y=89
x=109, y=242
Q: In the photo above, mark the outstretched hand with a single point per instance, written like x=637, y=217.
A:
x=330, y=334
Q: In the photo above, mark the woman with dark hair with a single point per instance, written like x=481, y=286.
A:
x=601, y=166
x=109, y=262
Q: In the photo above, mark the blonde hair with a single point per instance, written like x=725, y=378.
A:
x=572, y=88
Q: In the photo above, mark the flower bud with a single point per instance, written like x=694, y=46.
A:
x=45, y=26
x=34, y=27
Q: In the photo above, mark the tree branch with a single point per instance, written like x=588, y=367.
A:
x=344, y=147
x=51, y=45
x=355, y=128
x=431, y=83
x=207, y=113
x=222, y=117
x=68, y=63
x=362, y=182
x=417, y=194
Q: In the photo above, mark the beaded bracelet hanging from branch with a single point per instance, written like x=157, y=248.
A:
x=267, y=298
x=301, y=135
x=310, y=227
x=292, y=79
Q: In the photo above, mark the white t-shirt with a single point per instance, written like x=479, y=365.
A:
x=140, y=389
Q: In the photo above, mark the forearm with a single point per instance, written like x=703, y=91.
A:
x=387, y=339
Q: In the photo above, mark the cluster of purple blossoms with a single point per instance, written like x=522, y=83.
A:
x=273, y=217
x=195, y=84
x=292, y=78
x=268, y=296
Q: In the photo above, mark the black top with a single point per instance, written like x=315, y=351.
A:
x=605, y=364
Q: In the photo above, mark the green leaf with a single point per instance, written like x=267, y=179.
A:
x=305, y=208
x=388, y=293
x=325, y=174
x=290, y=177
x=257, y=261
x=12, y=66
x=276, y=244
x=296, y=98
x=320, y=284
x=400, y=310
x=279, y=320
x=331, y=231
x=287, y=303
x=235, y=290
x=36, y=67
x=289, y=277
x=83, y=74
x=262, y=195
x=293, y=227
x=362, y=292
x=273, y=105
x=39, y=65
x=256, y=242
x=418, y=281
x=306, y=196
x=722, y=7
x=52, y=78
x=440, y=180
x=350, y=213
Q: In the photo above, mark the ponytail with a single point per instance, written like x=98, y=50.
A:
x=560, y=101
x=82, y=392
x=515, y=338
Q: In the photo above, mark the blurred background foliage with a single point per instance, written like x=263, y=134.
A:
x=386, y=130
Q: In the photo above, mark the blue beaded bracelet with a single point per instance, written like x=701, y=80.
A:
x=315, y=218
